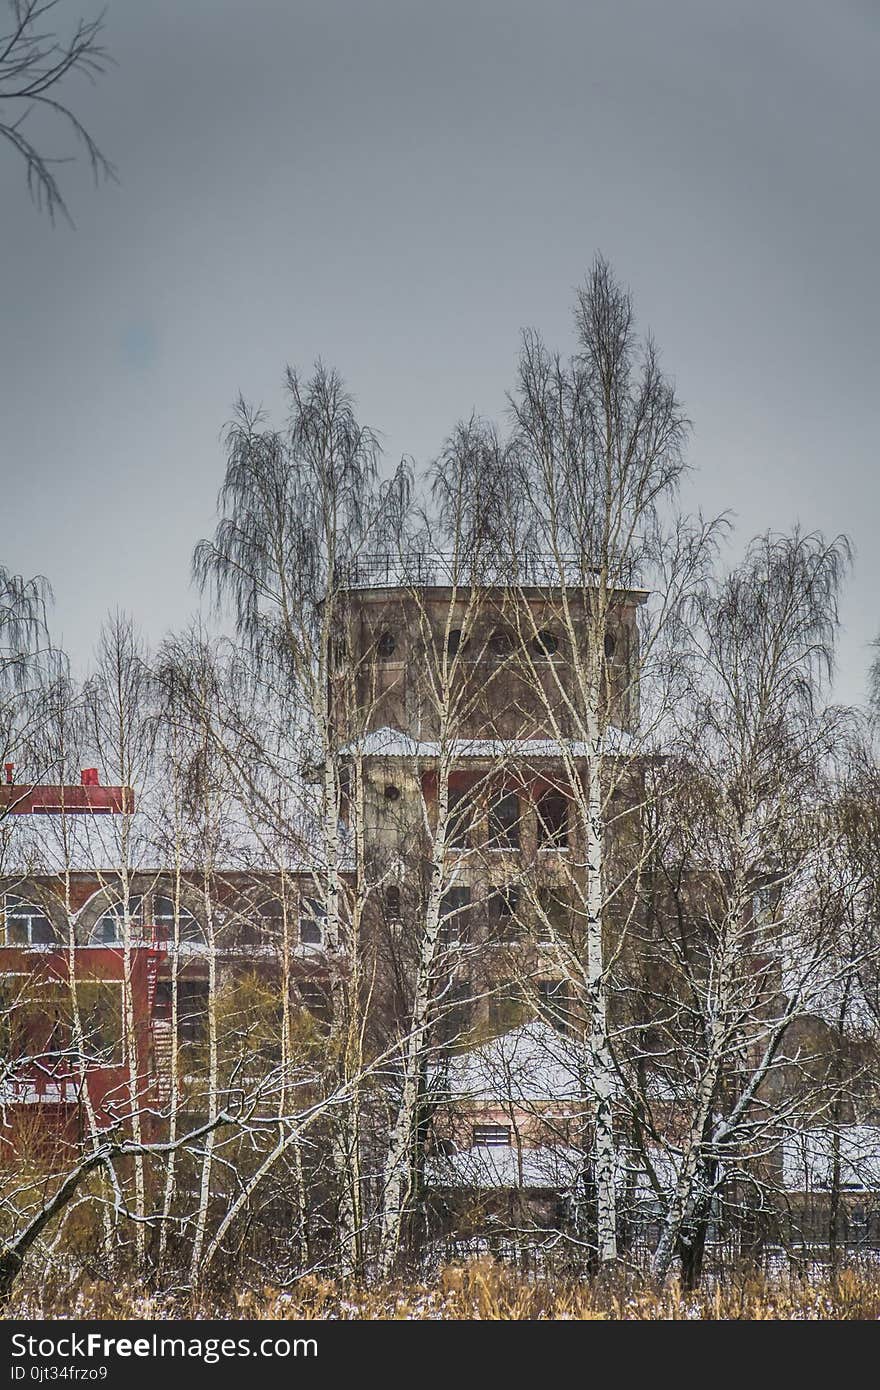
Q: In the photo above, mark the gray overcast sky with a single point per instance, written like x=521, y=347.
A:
x=400, y=187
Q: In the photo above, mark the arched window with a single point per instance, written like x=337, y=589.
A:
x=456, y=642
x=164, y=916
x=263, y=923
x=109, y=930
x=610, y=645
x=25, y=924
x=386, y=645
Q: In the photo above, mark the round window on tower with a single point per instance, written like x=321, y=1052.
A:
x=392, y=793
x=545, y=643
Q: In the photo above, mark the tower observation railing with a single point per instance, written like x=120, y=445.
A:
x=426, y=569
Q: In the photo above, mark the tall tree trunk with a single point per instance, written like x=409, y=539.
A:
x=598, y=1046
x=398, y=1172
x=201, y=1221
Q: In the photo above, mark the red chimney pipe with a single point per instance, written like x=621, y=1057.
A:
x=90, y=777
x=10, y=773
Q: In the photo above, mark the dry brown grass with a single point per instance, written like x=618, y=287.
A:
x=481, y=1290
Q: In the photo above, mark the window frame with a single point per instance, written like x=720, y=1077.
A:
x=544, y=936
x=312, y=912
x=491, y=1136
x=454, y=919
x=36, y=912
x=545, y=644
x=504, y=834
x=115, y=910
x=461, y=817
x=189, y=929
x=503, y=902
x=554, y=839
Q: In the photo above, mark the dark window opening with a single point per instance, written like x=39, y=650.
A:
x=192, y=1007
x=452, y=1013
x=553, y=1003
x=312, y=922
x=545, y=643
x=315, y=998
x=454, y=906
x=30, y=1019
x=456, y=642
x=552, y=915
x=552, y=809
x=386, y=645
x=610, y=645
x=507, y=1007
x=263, y=923
x=392, y=903
x=503, y=906
x=461, y=815
x=26, y=925
x=492, y=1136
x=163, y=999
x=392, y=793
x=100, y=1015
x=504, y=822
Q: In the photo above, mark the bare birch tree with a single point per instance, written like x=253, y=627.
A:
x=597, y=452
x=749, y=935
x=297, y=507
x=447, y=595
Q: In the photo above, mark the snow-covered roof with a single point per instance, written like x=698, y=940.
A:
x=505, y=1166
x=554, y=1166
x=392, y=743
x=529, y=1063
x=807, y=1159
x=34, y=845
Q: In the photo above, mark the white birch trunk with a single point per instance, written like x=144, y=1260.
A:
x=598, y=1051
x=213, y=1078
x=397, y=1184
x=174, y=1098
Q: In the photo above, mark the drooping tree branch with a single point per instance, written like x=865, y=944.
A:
x=35, y=65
